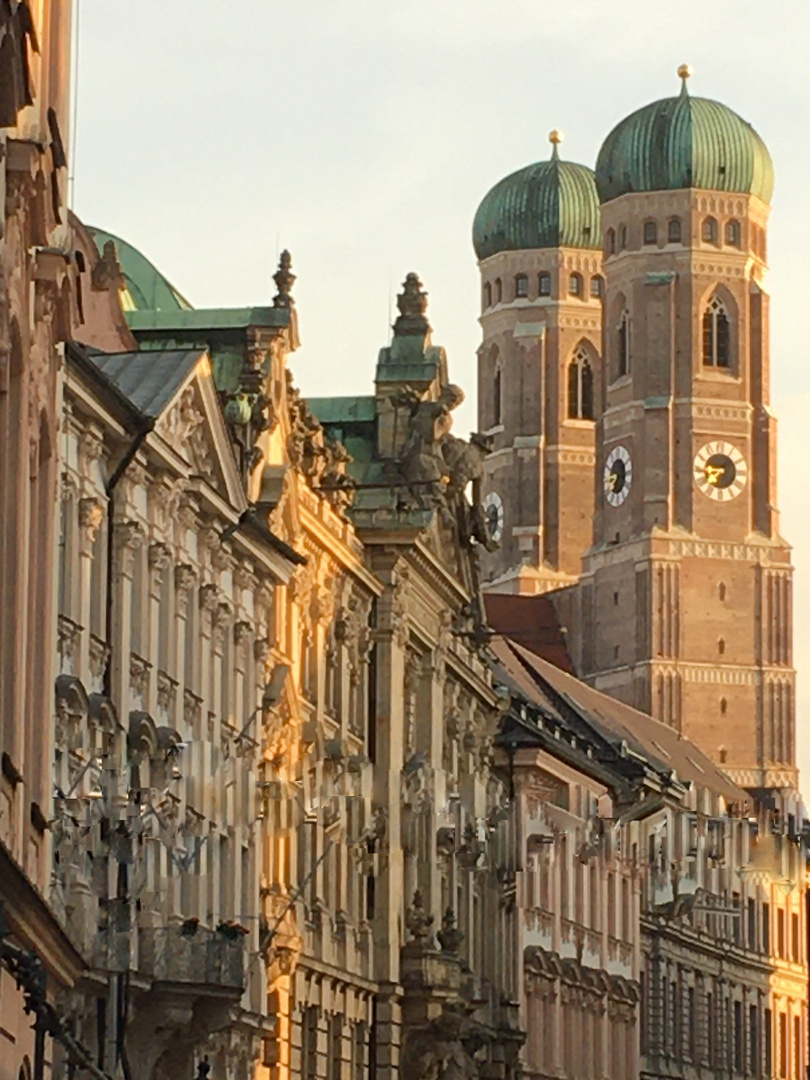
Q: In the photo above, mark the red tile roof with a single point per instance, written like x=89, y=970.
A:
x=532, y=622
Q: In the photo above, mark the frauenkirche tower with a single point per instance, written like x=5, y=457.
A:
x=685, y=599
x=684, y=604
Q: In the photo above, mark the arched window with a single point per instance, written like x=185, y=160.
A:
x=716, y=335
x=497, y=395
x=575, y=285
x=723, y=705
x=733, y=233
x=721, y=590
x=709, y=232
x=521, y=286
x=498, y=290
x=544, y=283
x=580, y=387
x=488, y=295
x=623, y=237
x=650, y=232
x=610, y=242
x=623, y=344
x=674, y=231
x=597, y=286
x=721, y=646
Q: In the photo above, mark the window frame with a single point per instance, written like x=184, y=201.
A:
x=708, y=230
x=716, y=335
x=544, y=279
x=521, y=283
x=650, y=232
x=675, y=226
x=575, y=284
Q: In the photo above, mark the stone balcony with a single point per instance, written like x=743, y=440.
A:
x=192, y=955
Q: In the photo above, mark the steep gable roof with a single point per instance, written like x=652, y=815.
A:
x=659, y=743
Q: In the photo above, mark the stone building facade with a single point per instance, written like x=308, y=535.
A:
x=36, y=297
x=662, y=912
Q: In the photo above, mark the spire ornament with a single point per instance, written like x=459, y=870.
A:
x=412, y=303
x=284, y=279
x=684, y=73
x=555, y=137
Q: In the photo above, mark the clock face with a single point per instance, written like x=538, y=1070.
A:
x=493, y=513
x=618, y=475
x=720, y=471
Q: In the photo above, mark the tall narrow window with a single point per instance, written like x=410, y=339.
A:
x=797, y=1047
x=733, y=233
x=544, y=283
x=767, y=1031
x=783, y=1044
x=622, y=237
x=692, y=1024
x=575, y=285
x=794, y=938
x=752, y=922
x=488, y=295
x=766, y=928
x=623, y=342
x=674, y=231
x=753, y=1039
x=650, y=232
x=716, y=335
x=738, y=1037
x=780, y=933
x=710, y=1030
x=521, y=286
x=709, y=231
x=597, y=286
x=498, y=290
x=610, y=242
x=580, y=387
x=497, y=396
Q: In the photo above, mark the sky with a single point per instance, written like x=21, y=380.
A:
x=362, y=134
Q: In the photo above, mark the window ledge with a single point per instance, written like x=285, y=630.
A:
x=576, y=422
x=714, y=374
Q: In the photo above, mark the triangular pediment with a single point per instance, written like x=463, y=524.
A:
x=193, y=426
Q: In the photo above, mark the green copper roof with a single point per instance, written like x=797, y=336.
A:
x=551, y=204
x=684, y=142
x=146, y=288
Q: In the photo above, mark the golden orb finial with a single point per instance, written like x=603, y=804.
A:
x=555, y=137
x=685, y=71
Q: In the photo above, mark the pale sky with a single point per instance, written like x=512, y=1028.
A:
x=362, y=134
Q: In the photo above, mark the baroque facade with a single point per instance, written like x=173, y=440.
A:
x=37, y=960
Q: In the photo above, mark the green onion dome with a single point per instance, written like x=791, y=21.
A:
x=551, y=204
x=684, y=142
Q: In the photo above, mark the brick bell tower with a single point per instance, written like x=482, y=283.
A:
x=537, y=238
x=685, y=602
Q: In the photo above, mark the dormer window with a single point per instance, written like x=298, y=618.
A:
x=521, y=286
x=544, y=283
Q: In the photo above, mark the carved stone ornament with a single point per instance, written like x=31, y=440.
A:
x=160, y=557
x=129, y=536
x=107, y=273
x=418, y=922
x=91, y=443
x=91, y=515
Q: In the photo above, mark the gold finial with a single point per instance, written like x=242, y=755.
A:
x=685, y=71
x=555, y=137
